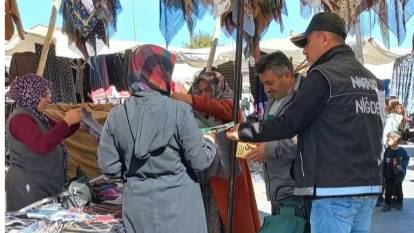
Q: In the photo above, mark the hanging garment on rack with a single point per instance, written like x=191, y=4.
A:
x=174, y=13
x=58, y=70
x=21, y=64
x=349, y=10
x=258, y=93
x=85, y=26
x=220, y=6
x=98, y=73
x=114, y=64
x=126, y=66
x=85, y=85
x=78, y=71
x=310, y=7
x=12, y=16
x=261, y=12
x=393, y=16
x=402, y=81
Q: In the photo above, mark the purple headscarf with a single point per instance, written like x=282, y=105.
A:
x=27, y=91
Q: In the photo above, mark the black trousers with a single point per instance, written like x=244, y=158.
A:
x=393, y=189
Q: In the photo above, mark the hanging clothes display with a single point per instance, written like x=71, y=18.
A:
x=310, y=7
x=98, y=73
x=393, y=16
x=21, y=64
x=173, y=14
x=85, y=21
x=58, y=70
x=220, y=6
x=256, y=14
x=78, y=71
x=114, y=64
x=349, y=10
x=402, y=81
x=12, y=17
x=260, y=97
x=126, y=66
x=107, y=70
x=83, y=88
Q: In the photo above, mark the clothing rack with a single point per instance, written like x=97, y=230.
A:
x=79, y=66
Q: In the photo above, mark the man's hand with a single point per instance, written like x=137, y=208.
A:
x=233, y=133
x=257, y=152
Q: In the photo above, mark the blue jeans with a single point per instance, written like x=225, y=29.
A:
x=342, y=215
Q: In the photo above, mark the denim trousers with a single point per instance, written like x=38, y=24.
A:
x=342, y=215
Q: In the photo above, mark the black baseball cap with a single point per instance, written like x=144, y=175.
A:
x=327, y=22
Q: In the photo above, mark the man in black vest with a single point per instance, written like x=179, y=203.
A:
x=338, y=117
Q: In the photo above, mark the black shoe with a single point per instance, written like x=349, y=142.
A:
x=398, y=206
x=386, y=208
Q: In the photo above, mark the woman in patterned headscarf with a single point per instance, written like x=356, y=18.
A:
x=37, y=157
x=212, y=100
x=211, y=97
x=153, y=142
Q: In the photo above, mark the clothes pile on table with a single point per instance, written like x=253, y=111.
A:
x=61, y=214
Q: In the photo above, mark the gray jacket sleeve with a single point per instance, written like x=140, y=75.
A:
x=282, y=148
x=303, y=109
x=198, y=152
x=108, y=158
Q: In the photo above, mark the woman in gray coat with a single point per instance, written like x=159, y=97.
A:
x=154, y=142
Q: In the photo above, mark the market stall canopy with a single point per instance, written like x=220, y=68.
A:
x=374, y=54
x=38, y=33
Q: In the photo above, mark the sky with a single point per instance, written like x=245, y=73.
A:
x=139, y=22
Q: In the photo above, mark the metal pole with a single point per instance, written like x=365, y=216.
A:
x=133, y=18
x=214, y=42
x=359, y=51
x=236, y=101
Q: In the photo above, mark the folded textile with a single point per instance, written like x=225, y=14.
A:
x=81, y=146
x=90, y=124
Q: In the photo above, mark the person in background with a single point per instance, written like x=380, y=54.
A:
x=212, y=101
x=153, y=142
x=394, y=120
x=37, y=156
x=394, y=170
x=339, y=133
x=388, y=101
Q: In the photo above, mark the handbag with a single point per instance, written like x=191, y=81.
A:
x=284, y=222
x=287, y=219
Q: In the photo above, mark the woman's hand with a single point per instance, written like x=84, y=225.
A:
x=183, y=97
x=233, y=133
x=72, y=116
x=210, y=137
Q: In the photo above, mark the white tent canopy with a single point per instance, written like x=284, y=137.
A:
x=190, y=61
x=38, y=33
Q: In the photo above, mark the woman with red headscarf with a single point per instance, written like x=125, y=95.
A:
x=153, y=142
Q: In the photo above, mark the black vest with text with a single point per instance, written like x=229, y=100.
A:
x=340, y=151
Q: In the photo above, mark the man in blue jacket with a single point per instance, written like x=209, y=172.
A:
x=338, y=117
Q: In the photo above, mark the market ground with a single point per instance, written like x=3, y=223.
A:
x=388, y=222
